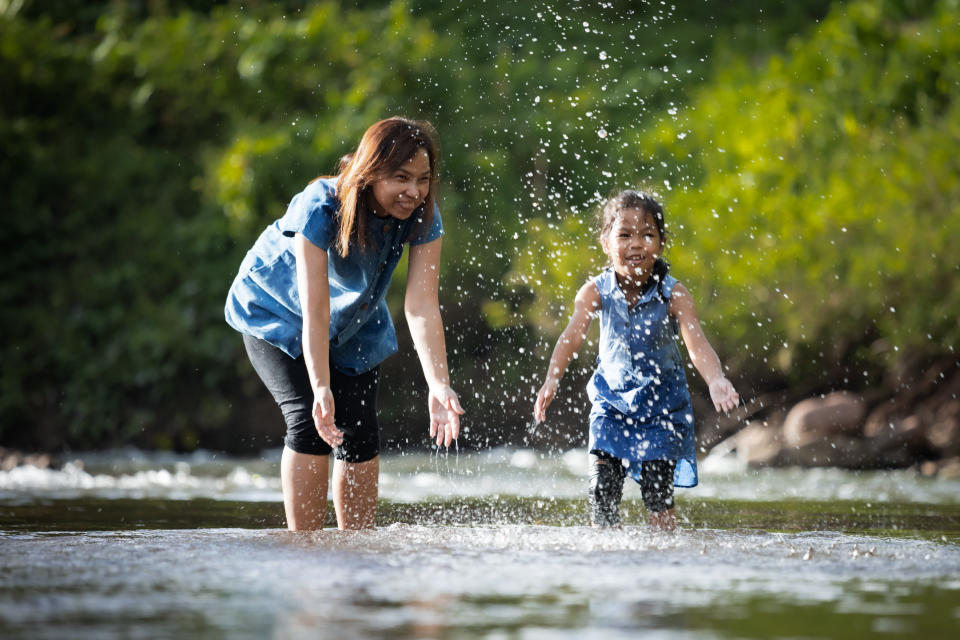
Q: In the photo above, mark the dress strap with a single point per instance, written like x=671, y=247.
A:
x=606, y=282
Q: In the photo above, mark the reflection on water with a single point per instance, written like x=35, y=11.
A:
x=489, y=545
x=491, y=581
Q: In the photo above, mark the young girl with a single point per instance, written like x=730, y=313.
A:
x=309, y=301
x=641, y=422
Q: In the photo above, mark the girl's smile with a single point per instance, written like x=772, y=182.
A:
x=633, y=245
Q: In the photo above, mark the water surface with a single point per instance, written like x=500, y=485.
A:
x=490, y=545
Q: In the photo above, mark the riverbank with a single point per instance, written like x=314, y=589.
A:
x=913, y=421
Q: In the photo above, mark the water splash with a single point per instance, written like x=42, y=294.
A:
x=415, y=477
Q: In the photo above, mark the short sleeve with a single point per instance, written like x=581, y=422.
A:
x=430, y=233
x=669, y=282
x=597, y=282
x=312, y=213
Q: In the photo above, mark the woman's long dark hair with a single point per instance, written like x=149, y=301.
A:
x=642, y=201
x=384, y=148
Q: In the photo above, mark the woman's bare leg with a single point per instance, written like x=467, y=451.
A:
x=355, y=489
x=304, y=481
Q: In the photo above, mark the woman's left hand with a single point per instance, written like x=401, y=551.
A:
x=445, y=412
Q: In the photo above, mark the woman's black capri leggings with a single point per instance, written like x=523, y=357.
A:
x=354, y=399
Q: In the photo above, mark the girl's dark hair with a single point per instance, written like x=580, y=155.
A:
x=384, y=147
x=642, y=201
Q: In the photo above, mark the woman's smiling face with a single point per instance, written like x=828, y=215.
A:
x=398, y=193
x=633, y=245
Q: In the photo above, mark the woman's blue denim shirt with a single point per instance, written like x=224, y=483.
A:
x=264, y=301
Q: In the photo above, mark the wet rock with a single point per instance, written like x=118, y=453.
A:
x=900, y=444
x=944, y=432
x=949, y=469
x=835, y=451
x=763, y=443
x=758, y=444
x=10, y=459
x=914, y=421
x=882, y=417
x=813, y=419
x=929, y=468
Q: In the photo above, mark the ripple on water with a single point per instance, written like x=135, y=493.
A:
x=475, y=579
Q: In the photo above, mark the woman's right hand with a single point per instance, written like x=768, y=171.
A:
x=445, y=411
x=544, y=398
x=323, y=417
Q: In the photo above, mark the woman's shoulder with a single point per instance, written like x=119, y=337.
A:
x=321, y=190
x=311, y=212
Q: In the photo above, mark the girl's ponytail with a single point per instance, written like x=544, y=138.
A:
x=660, y=270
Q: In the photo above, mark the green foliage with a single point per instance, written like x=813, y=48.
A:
x=812, y=197
x=147, y=144
x=829, y=190
x=142, y=158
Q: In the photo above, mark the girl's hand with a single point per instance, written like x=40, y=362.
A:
x=445, y=412
x=323, y=417
x=544, y=398
x=723, y=394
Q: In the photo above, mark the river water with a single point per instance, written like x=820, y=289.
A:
x=482, y=545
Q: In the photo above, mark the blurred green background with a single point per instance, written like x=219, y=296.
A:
x=806, y=153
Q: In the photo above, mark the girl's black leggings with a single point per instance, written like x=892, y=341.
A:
x=607, y=474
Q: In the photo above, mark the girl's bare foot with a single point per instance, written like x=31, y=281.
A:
x=663, y=520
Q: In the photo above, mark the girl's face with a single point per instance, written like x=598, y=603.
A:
x=398, y=193
x=633, y=244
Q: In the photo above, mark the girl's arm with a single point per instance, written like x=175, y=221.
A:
x=585, y=306
x=314, y=290
x=422, y=309
x=704, y=358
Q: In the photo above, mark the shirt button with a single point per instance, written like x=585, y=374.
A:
x=381, y=268
x=364, y=306
x=386, y=227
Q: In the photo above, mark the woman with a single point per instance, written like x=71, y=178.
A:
x=309, y=301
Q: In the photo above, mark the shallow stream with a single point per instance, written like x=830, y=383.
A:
x=485, y=545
